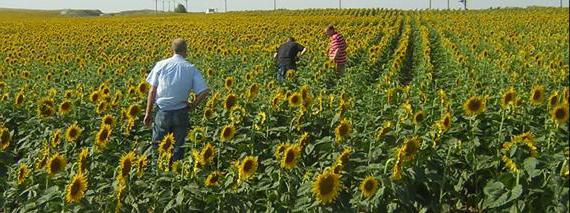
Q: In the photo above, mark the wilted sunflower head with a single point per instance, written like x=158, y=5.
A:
x=247, y=167
x=560, y=113
x=4, y=138
x=227, y=133
x=56, y=164
x=537, y=95
x=474, y=106
x=73, y=133
x=76, y=188
x=230, y=102
x=419, y=117
x=326, y=187
x=23, y=172
x=343, y=130
x=368, y=186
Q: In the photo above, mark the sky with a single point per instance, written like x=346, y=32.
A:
x=238, y=5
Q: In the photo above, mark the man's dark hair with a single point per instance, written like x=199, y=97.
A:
x=330, y=27
x=291, y=39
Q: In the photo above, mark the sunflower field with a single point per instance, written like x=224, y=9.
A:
x=438, y=111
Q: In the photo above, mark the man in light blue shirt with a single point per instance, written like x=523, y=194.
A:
x=171, y=82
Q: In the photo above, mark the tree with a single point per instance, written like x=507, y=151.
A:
x=180, y=9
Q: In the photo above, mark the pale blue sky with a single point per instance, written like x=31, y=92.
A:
x=202, y=5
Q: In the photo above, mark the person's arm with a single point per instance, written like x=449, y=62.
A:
x=149, y=105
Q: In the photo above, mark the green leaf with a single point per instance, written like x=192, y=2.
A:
x=530, y=167
x=179, y=197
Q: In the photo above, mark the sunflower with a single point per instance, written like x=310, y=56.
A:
x=259, y=120
x=82, y=159
x=46, y=108
x=280, y=149
x=247, y=168
x=133, y=111
x=368, y=186
x=508, y=98
x=56, y=164
x=295, y=99
x=306, y=95
x=65, y=107
x=23, y=172
x=207, y=154
x=142, y=162
x=143, y=88
x=445, y=122
x=102, y=137
x=303, y=140
x=76, y=188
x=419, y=117
x=560, y=113
x=108, y=120
x=383, y=130
x=510, y=164
x=410, y=148
x=166, y=145
x=230, y=102
x=208, y=113
x=326, y=187
x=197, y=135
x=126, y=164
x=95, y=96
x=290, y=157
x=227, y=133
x=228, y=82
x=101, y=107
x=344, y=156
x=252, y=92
x=19, y=99
x=197, y=161
x=213, y=179
x=4, y=138
x=343, y=130
x=537, y=95
x=73, y=133
x=553, y=100
x=474, y=106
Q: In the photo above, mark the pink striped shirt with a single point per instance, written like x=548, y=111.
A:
x=338, y=43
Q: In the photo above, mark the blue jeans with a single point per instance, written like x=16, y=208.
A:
x=282, y=70
x=176, y=122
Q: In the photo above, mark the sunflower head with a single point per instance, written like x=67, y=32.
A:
x=326, y=187
x=82, y=159
x=108, y=120
x=4, y=138
x=474, y=105
x=295, y=99
x=142, y=162
x=23, y=172
x=560, y=113
x=410, y=148
x=368, y=186
x=344, y=156
x=143, y=88
x=102, y=137
x=553, y=99
x=46, y=107
x=207, y=154
x=197, y=135
x=230, y=102
x=303, y=140
x=133, y=111
x=65, y=107
x=72, y=133
x=445, y=121
x=208, y=113
x=419, y=117
x=227, y=133
x=229, y=82
x=95, y=96
x=247, y=167
x=19, y=99
x=290, y=157
x=343, y=130
x=280, y=149
x=537, y=95
x=166, y=144
x=213, y=179
x=76, y=188
x=252, y=92
x=126, y=163
x=508, y=98
x=56, y=164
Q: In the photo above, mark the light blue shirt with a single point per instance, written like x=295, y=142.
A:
x=175, y=78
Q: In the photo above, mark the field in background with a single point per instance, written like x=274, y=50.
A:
x=437, y=111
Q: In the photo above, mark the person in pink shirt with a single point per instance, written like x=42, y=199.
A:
x=337, y=49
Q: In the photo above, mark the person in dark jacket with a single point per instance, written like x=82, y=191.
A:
x=287, y=55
